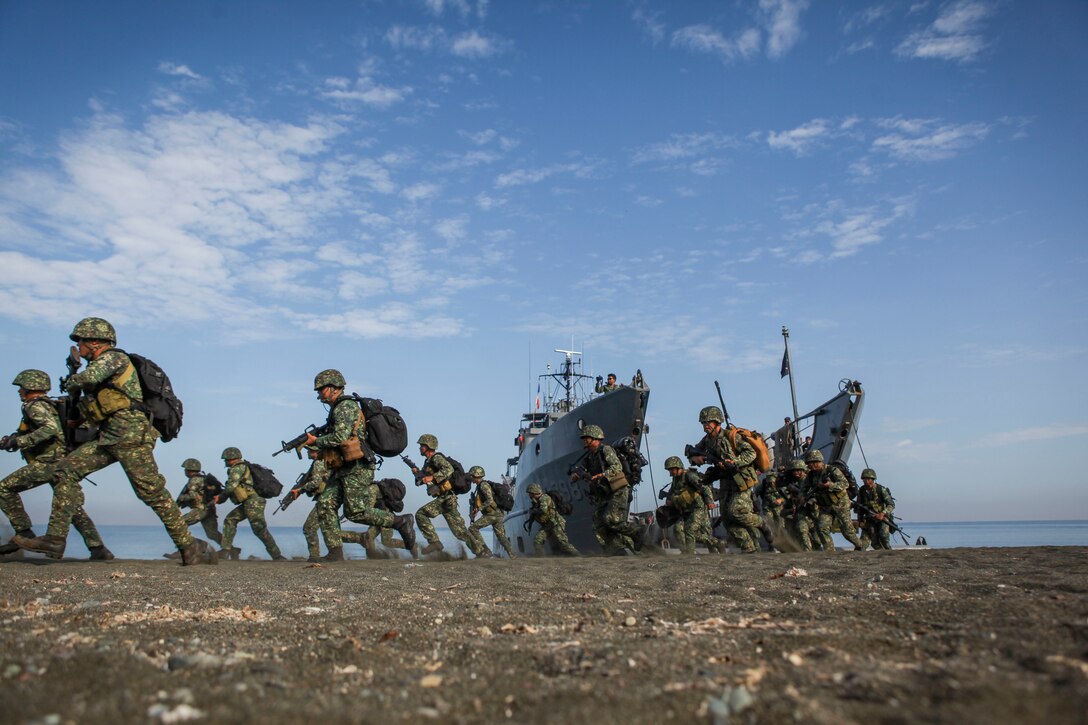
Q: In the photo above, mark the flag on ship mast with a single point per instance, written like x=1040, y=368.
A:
x=785, y=363
x=538, y=396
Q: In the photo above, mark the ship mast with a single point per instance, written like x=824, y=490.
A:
x=567, y=376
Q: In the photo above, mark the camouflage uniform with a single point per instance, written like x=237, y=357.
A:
x=741, y=520
x=125, y=435
x=686, y=494
x=773, y=500
x=349, y=484
x=879, y=500
x=605, y=387
x=316, y=480
x=200, y=511
x=490, y=515
x=611, y=527
x=40, y=439
x=239, y=487
x=444, y=503
x=552, y=524
x=834, y=505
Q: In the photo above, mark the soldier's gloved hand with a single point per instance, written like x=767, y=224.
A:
x=662, y=493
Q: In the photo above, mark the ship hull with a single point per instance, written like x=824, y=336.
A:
x=547, y=456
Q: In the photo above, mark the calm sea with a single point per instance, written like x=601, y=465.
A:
x=151, y=542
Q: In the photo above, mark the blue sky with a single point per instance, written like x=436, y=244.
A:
x=433, y=195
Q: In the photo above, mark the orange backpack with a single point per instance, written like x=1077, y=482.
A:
x=755, y=439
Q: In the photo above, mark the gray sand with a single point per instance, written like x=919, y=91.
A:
x=951, y=635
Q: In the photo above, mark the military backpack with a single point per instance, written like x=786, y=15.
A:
x=459, y=481
x=386, y=431
x=392, y=493
x=265, y=482
x=213, y=487
x=562, y=505
x=504, y=497
x=631, y=460
x=160, y=402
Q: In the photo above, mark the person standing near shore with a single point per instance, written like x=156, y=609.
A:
x=201, y=510
x=40, y=441
x=112, y=400
x=877, y=499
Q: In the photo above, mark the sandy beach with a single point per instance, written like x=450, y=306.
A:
x=952, y=635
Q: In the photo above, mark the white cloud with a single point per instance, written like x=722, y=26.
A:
x=521, y=177
x=928, y=140
x=782, y=20
x=453, y=229
x=172, y=69
x=363, y=89
x=649, y=23
x=476, y=45
x=954, y=35
x=704, y=39
x=415, y=37
x=683, y=146
x=422, y=191
x=802, y=139
x=859, y=229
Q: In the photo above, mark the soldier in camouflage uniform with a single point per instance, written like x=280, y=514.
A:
x=800, y=512
x=734, y=459
x=112, y=400
x=483, y=501
x=350, y=481
x=772, y=500
x=201, y=510
x=40, y=441
x=687, y=495
x=552, y=523
x=610, y=492
x=437, y=476
x=828, y=486
x=877, y=499
x=239, y=489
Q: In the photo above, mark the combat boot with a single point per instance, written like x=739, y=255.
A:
x=101, y=553
x=432, y=547
x=11, y=547
x=405, y=525
x=198, y=552
x=768, y=535
x=279, y=557
x=639, y=538
x=51, y=546
x=336, y=553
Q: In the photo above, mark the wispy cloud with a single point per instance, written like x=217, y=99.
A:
x=802, y=139
x=471, y=44
x=705, y=39
x=522, y=177
x=363, y=89
x=778, y=20
x=954, y=35
x=173, y=69
x=928, y=139
x=650, y=22
x=782, y=21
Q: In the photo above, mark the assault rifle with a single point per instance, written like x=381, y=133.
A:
x=416, y=470
x=295, y=491
x=888, y=519
x=72, y=419
x=299, y=441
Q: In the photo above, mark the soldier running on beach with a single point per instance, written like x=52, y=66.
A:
x=437, y=476
x=240, y=490
x=40, y=441
x=829, y=486
x=490, y=515
x=877, y=499
x=610, y=492
x=112, y=400
x=195, y=497
x=552, y=524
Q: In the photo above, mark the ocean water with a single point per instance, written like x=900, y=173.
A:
x=151, y=542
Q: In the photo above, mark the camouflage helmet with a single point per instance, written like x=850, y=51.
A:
x=869, y=473
x=593, y=431
x=428, y=440
x=93, y=328
x=673, y=462
x=535, y=489
x=229, y=454
x=192, y=464
x=814, y=456
x=711, y=413
x=329, y=377
x=476, y=472
x=32, y=380
x=798, y=465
